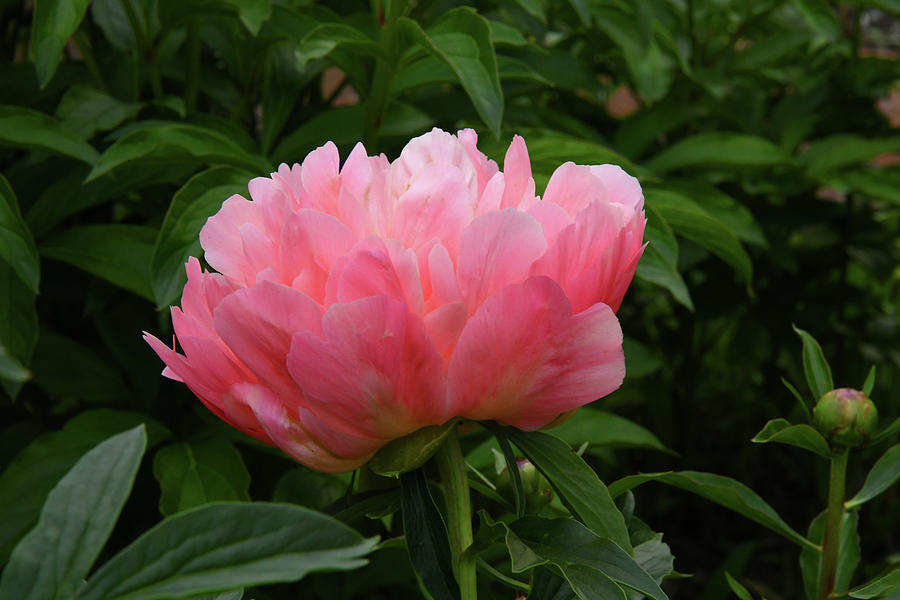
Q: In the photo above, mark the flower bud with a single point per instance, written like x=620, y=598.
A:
x=846, y=417
x=534, y=486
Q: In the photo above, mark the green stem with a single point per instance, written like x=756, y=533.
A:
x=831, y=543
x=379, y=90
x=452, y=470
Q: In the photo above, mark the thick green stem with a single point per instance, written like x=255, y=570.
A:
x=452, y=470
x=831, y=543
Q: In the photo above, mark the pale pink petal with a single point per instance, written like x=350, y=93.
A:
x=376, y=374
x=290, y=184
x=257, y=324
x=519, y=190
x=435, y=207
x=433, y=148
x=497, y=249
x=491, y=196
x=574, y=187
x=485, y=167
x=203, y=292
x=441, y=272
x=523, y=358
x=444, y=324
x=221, y=238
x=321, y=179
x=621, y=187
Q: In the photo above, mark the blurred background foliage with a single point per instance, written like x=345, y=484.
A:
x=764, y=134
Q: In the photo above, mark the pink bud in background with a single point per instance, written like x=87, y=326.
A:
x=356, y=304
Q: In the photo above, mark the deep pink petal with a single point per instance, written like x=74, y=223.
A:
x=497, y=249
x=311, y=243
x=257, y=324
x=377, y=267
x=523, y=358
x=376, y=374
x=222, y=242
x=321, y=179
x=288, y=432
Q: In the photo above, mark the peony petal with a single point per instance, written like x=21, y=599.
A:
x=484, y=167
x=257, y=324
x=435, y=207
x=588, y=257
x=519, y=190
x=222, y=242
x=523, y=358
x=433, y=148
x=621, y=187
x=574, y=187
x=321, y=179
x=376, y=267
x=375, y=375
x=289, y=434
x=311, y=243
x=497, y=249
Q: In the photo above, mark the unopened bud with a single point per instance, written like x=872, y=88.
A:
x=846, y=417
x=534, y=486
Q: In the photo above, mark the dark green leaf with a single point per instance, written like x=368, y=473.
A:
x=734, y=215
x=869, y=383
x=77, y=518
x=121, y=254
x=718, y=149
x=18, y=322
x=426, y=538
x=803, y=405
x=721, y=490
x=841, y=150
x=411, y=451
x=86, y=110
x=848, y=555
x=16, y=244
x=886, y=433
x=462, y=39
x=197, y=472
x=577, y=484
x=879, y=183
x=66, y=368
x=252, y=13
x=737, y=587
x=324, y=38
x=655, y=557
x=54, y=22
x=11, y=370
x=589, y=563
x=819, y=15
x=659, y=263
x=220, y=547
x=689, y=220
x=27, y=480
x=802, y=436
x=815, y=367
x=884, y=473
x=512, y=467
x=309, y=488
x=600, y=428
x=879, y=587
x=501, y=33
x=197, y=200
x=177, y=142
x=25, y=128
x=639, y=359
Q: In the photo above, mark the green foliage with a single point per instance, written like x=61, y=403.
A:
x=753, y=129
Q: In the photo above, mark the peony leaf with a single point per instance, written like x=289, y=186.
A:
x=802, y=436
x=220, y=547
x=77, y=518
x=815, y=366
x=577, y=484
x=721, y=490
x=198, y=472
x=848, y=555
x=16, y=243
x=884, y=473
x=718, y=149
x=26, y=128
x=54, y=22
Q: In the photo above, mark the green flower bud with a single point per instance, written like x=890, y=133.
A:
x=846, y=417
x=535, y=487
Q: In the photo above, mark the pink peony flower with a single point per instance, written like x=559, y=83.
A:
x=354, y=305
